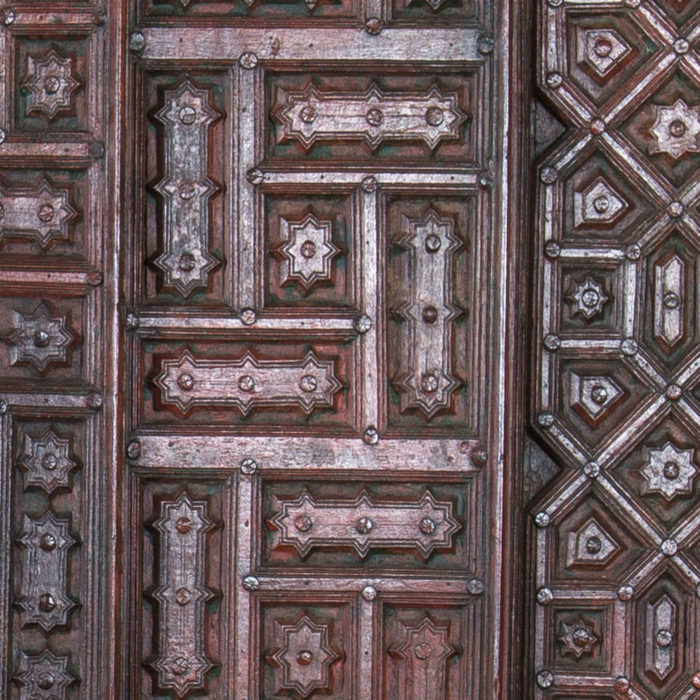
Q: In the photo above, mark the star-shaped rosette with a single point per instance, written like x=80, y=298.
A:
x=46, y=461
x=40, y=338
x=50, y=84
x=669, y=471
x=676, y=129
x=578, y=639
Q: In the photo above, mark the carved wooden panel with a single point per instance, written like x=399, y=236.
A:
x=56, y=366
x=614, y=552
x=311, y=193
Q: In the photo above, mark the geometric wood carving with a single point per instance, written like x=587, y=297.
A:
x=46, y=461
x=44, y=582
x=50, y=84
x=303, y=663
x=427, y=382
x=43, y=677
x=181, y=662
x=424, y=654
x=247, y=382
x=308, y=250
x=312, y=115
x=365, y=523
x=41, y=212
x=186, y=188
x=39, y=338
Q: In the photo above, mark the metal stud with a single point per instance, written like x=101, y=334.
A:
x=369, y=593
x=251, y=583
x=249, y=466
x=137, y=41
x=545, y=596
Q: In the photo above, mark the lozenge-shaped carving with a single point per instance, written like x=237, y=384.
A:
x=427, y=382
x=669, y=302
x=182, y=663
x=186, y=188
x=424, y=653
x=312, y=115
x=365, y=523
x=661, y=637
x=42, y=213
x=247, y=382
x=45, y=598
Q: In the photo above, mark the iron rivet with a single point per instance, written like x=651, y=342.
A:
x=362, y=323
x=549, y=175
x=371, y=436
x=485, y=45
x=251, y=583
x=629, y=346
x=369, y=593
x=675, y=209
x=248, y=60
x=369, y=184
x=475, y=586
x=248, y=316
x=591, y=470
x=633, y=252
x=669, y=547
x=681, y=46
x=625, y=592
x=137, y=41
x=249, y=466
x=673, y=392
x=132, y=321
x=542, y=519
x=552, y=249
x=552, y=342
x=554, y=80
x=3, y=135
x=373, y=26
x=255, y=176
x=621, y=685
x=94, y=278
x=545, y=596
x=696, y=679
x=133, y=449
x=3, y=407
x=9, y=16
x=546, y=420
x=94, y=400
x=545, y=679
x=597, y=127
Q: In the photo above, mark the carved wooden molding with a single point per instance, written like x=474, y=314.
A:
x=313, y=115
x=427, y=382
x=423, y=655
x=365, y=523
x=182, y=662
x=40, y=338
x=248, y=382
x=303, y=662
x=186, y=188
x=42, y=212
x=44, y=598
